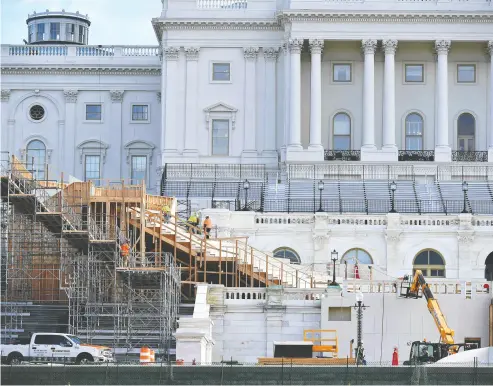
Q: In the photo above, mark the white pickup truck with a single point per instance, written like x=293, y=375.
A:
x=51, y=347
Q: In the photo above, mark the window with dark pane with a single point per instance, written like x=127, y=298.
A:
x=140, y=113
x=287, y=253
x=93, y=112
x=414, y=73
x=430, y=262
x=92, y=168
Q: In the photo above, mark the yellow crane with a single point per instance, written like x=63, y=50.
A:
x=426, y=352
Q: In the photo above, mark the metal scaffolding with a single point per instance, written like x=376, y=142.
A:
x=60, y=245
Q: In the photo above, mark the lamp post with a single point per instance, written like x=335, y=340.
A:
x=320, y=188
x=393, y=188
x=465, y=188
x=246, y=186
x=334, y=256
x=359, y=307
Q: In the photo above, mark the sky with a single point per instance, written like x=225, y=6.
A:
x=113, y=22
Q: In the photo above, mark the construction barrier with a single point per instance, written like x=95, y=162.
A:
x=180, y=362
x=153, y=356
x=145, y=355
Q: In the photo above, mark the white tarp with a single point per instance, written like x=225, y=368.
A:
x=484, y=357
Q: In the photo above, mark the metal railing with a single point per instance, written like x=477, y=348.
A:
x=469, y=156
x=342, y=155
x=416, y=155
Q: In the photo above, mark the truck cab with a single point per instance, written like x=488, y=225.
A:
x=425, y=352
x=51, y=347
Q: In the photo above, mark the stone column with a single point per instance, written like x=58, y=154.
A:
x=170, y=66
x=270, y=55
x=191, y=110
x=295, y=92
x=316, y=47
x=287, y=95
x=250, y=126
x=390, y=47
x=369, y=47
x=116, y=124
x=69, y=132
x=5, y=134
x=162, y=100
x=490, y=148
x=443, y=153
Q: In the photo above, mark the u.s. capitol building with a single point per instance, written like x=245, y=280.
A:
x=307, y=125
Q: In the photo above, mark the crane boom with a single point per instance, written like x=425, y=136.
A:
x=419, y=283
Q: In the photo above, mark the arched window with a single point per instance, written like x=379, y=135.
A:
x=488, y=267
x=466, y=128
x=342, y=132
x=287, y=253
x=357, y=256
x=414, y=132
x=430, y=262
x=36, y=158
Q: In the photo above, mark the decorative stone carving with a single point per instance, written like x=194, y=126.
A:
x=316, y=46
x=319, y=239
x=442, y=46
x=70, y=95
x=250, y=53
x=171, y=53
x=5, y=95
x=285, y=48
x=271, y=53
x=490, y=47
x=465, y=239
x=220, y=110
x=158, y=94
x=389, y=46
x=369, y=46
x=295, y=45
x=116, y=95
x=192, y=53
x=393, y=237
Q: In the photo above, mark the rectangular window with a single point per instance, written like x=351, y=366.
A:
x=31, y=33
x=93, y=112
x=220, y=137
x=139, y=169
x=341, y=73
x=466, y=73
x=82, y=34
x=414, y=73
x=140, y=112
x=339, y=314
x=92, y=170
x=40, y=33
x=54, y=31
x=70, y=30
x=221, y=72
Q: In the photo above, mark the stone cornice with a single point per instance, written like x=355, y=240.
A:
x=25, y=70
x=385, y=17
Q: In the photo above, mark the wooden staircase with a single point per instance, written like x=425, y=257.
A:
x=228, y=261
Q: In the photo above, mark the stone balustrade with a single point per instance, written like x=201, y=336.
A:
x=91, y=51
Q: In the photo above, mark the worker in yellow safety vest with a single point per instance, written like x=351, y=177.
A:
x=193, y=222
x=166, y=213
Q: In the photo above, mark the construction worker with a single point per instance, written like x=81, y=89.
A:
x=166, y=213
x=207, y=227
x=193, y=220
x=125, y=250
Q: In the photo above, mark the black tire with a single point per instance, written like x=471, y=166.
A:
x=84, y=359
x=15, y=358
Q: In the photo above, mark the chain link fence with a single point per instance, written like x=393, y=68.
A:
x=245, y=374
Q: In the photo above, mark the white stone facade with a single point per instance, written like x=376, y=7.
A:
x=276, y=93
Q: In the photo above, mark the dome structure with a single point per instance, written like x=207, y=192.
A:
x=58, y=27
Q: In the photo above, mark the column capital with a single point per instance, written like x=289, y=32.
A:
x=369, y=46
x=5, y=95
x=271, y=53
x=70, y=96
x=250, y=53
x=490, y=47
x=117, y=96
x=171, y=53
x=442, y=46
x=389, y=46
x=192, y=53
x=316, y=46
x=295, y=45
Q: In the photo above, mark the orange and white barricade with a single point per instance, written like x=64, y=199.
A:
x=152, y=356
x=145, y=355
